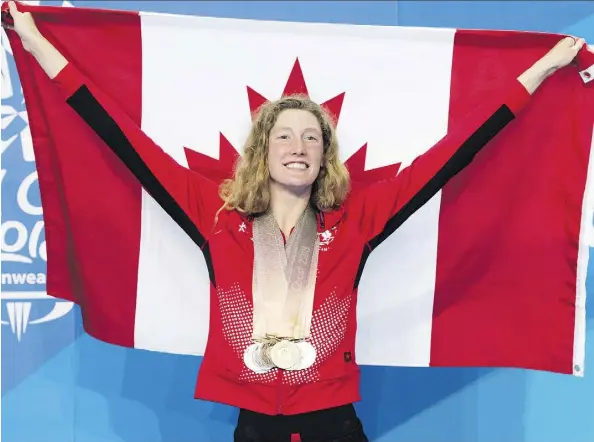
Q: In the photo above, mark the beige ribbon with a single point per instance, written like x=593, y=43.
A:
x=284, y=278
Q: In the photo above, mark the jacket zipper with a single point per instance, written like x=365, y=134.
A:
x=279, y=391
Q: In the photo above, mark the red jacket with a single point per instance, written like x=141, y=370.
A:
x=347, y=236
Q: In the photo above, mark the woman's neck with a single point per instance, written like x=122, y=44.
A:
x=287, y=206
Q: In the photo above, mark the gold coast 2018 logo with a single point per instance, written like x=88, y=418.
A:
x=24, y=302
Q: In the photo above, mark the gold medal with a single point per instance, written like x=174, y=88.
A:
x=285, y=354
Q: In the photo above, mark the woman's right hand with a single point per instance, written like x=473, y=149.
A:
x=48, y=57
x=24, y=25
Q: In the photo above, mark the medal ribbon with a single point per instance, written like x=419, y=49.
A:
x=284, y=278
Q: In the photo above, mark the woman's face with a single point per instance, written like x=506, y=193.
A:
x=296, y=150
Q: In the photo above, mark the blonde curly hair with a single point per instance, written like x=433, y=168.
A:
x=248, y=190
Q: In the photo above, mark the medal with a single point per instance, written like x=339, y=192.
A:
x=283, y=287
x=253, y=358
x=262, y=357
x=308, y=355
x=285, y=354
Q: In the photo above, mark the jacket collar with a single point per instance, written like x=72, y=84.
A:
x=326, y=220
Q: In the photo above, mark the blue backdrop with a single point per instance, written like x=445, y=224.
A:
x=60, y=385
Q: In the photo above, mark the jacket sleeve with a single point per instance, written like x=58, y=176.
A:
x=384, y=206
x=189, y=198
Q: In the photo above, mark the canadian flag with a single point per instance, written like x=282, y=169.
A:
x=500, y=254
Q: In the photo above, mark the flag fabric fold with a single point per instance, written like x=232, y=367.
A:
x=491, y=271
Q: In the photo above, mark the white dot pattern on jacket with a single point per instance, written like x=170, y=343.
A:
x=236, y=314
x=329, y=324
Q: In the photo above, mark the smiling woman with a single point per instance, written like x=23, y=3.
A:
x=281, y=342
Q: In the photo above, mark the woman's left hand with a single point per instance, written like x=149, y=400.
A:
x=563, y=53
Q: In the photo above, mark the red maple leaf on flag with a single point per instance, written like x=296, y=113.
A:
x=220, y=169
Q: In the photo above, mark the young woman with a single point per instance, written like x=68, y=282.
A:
x=282, y=330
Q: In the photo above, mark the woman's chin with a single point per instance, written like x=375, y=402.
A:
x=297, y=187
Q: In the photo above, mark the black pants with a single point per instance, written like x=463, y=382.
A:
x=339, y=424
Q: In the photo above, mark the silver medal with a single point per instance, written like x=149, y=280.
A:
x=308, y=356
x=252, y=358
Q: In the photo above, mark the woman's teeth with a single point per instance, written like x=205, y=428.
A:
x=296, y=166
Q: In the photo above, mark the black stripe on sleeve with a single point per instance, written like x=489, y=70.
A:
x=91, y=111
x=461, y=158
